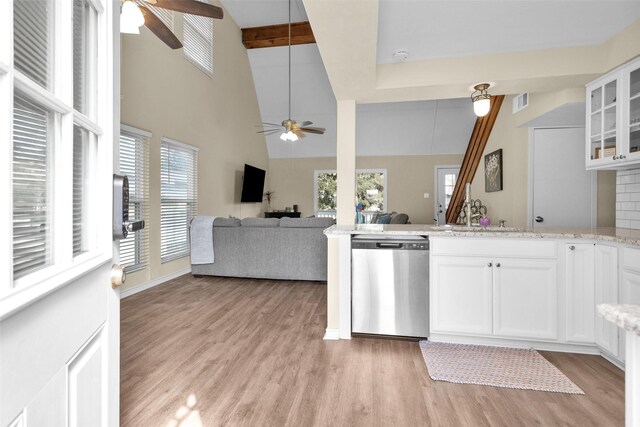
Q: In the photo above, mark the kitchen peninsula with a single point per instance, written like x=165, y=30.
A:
x=509, y=286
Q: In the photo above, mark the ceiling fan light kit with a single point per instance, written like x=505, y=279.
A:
x=481, y=99
x=131, y=18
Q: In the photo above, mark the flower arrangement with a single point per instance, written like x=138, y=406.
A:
x=268, y=196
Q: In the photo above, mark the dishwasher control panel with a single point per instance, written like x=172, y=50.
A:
x=396, y=244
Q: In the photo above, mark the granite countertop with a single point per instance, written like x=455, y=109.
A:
x=608, y=234
x=626, y=316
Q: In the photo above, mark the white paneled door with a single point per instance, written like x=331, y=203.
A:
x=59, y=316
x=563, y=191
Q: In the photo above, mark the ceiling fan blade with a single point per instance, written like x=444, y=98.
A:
x=272, y=124
x=269, y=130
x=158, y=28
x=298, y=133
x=305, y=124
x=192, y=7
x=318, y=131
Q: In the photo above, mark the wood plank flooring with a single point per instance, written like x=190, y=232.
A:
x=240, y=352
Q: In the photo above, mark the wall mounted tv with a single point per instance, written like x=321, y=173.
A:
x=252, y=185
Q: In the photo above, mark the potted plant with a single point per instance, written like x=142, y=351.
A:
x=268, y=196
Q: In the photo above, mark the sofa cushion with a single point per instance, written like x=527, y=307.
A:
x=260, y=222
x=226, y=222
x=307, y=222
x=383, y=219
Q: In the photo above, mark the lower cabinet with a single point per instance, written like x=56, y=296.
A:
x=461, y=295
x=606, y=292
x=580, y=309
x=630, y=290
x=502, y=297
x=525, y=299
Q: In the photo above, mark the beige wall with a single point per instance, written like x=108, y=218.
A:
x=511, y=203
x=408, y=178
x=163, y=93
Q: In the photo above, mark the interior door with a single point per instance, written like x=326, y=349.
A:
x=563, y=191
x=59, y=316
x=446, y=177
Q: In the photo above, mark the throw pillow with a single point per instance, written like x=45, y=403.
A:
x=384, y=219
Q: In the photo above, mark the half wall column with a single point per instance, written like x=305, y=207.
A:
x=346, y=161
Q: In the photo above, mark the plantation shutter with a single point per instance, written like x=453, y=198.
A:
x=134, y=163
x=178, y=193
x=32, y=40
x=31, y=187
x=198, y=41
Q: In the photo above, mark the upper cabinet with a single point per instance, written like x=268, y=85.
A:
x=613, y=119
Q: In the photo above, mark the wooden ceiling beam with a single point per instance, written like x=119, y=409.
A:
x=277, y=35
x=477, y=143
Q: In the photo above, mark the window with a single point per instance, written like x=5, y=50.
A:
x=178, y=193
x=371, y=191
x=55, y=134
x=198, y=41
x=134, y=163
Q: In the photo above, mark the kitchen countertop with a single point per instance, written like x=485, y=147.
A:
x=607, y=234
x=626, y=316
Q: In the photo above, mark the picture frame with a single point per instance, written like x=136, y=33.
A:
x=493, y=171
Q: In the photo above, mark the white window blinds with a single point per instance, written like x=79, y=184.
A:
x=166, y=16
x=178, y=193
x=33, y=40
x=198, y=41
x=134, y=163
x=31, y=187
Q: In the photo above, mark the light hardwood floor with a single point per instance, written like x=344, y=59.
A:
x=218, y=351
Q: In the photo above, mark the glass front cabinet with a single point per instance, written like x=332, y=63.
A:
x=613, y=119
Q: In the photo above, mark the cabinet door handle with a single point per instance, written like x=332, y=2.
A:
x=573, y=248
x=498, y=264
x=615, y=157
x=622, y=156
x=489, y=264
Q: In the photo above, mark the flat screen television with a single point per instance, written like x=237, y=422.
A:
x=252, y=185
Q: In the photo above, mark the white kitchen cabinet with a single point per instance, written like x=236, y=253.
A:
x=606, y=292
x=525, y=298
x=613, y=119
x=461, y=295
x=579, y=293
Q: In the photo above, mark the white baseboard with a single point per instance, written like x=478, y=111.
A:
x=332, y=334
x=155, y=282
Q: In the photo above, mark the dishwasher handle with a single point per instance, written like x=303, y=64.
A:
x=389, y=245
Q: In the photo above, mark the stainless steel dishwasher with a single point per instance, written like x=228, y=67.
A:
x=390, y=285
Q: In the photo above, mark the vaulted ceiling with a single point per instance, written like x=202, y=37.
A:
x=521, y=45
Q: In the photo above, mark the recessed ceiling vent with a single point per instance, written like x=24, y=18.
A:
x=400, y=55
x=520, y=102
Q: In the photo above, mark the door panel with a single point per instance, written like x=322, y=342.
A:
x=562, y=188
x=606, y=292
x=579, y=288
x=86, y=384
x=525, y=299
x=446, y=178
x=461, y=295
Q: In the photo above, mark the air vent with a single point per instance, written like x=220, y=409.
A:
x=520, y=102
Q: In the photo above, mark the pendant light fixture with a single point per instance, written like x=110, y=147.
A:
x=288, y=134
x=481, y=99
x=289, y=129
x=131, y=18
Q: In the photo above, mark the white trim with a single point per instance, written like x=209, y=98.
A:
x=38, y=94
x=85, y=122
x=97, y=5
x=344, y=285
x=135, y=131
x=23, y=297
x=517, y=343
x=530, y=178
x=179, y=144
x=331, y=334
x=154, y=282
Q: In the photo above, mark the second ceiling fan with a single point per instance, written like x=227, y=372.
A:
x=291, y=130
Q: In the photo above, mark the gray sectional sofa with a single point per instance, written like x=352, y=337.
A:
x=269, y=248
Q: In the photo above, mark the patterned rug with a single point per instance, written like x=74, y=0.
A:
x=524, y=369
